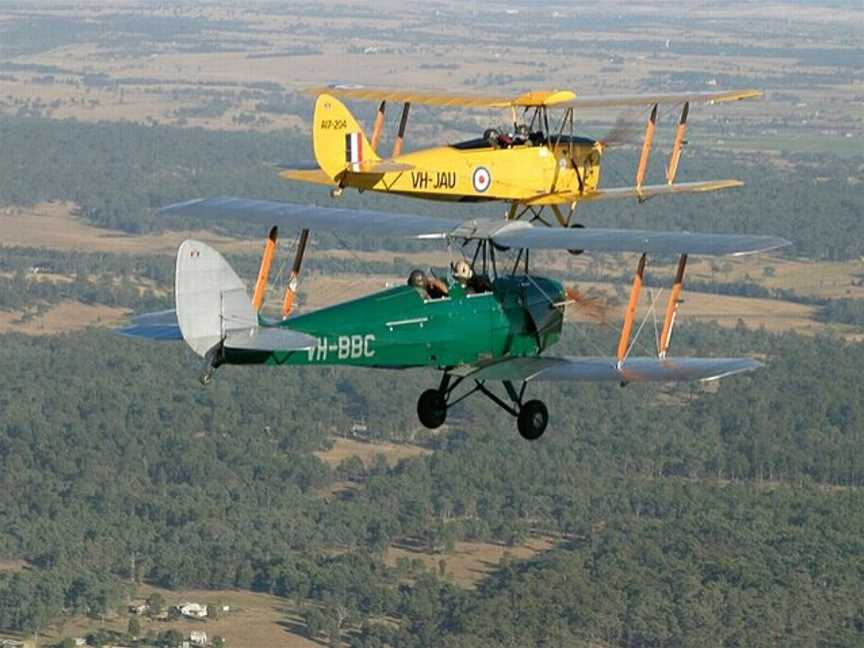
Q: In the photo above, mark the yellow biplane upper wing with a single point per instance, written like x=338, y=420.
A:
x=416, y=97
x=549, y=98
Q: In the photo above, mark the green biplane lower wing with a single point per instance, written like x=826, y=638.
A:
x=596, y=369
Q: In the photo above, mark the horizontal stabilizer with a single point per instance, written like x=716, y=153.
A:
x=380, y=166
x=597, y=369
x=315, y=176
x=270, y=338
x=647, y=191
x=160, y=326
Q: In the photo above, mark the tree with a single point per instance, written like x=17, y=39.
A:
x=134, y=627
x=155, y=604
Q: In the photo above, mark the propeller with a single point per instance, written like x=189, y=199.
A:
x=595, y=308
x=624, y=132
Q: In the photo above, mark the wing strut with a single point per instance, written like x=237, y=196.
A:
x=294, y=277
x=400, y=136
x=630, y=314
x=379, y=125
x=646, y=147
x=672, y=308
x=264, y=271
x=680, y=132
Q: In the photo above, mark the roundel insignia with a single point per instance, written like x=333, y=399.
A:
x=481, y=179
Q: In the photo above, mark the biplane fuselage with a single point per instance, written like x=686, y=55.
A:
x=402, y=327
x=474, y=171
x=533, y=167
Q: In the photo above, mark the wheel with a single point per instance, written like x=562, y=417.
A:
x=335, y=192
x=580, y=226
x=533, y=419
x=432, y=409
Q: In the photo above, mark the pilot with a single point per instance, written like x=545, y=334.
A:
x=430, y=287
x=522, y=134
x=462, y=272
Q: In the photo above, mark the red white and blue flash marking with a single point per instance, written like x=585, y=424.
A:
x=354, y=150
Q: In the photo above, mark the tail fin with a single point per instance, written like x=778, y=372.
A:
x=337, y=139
x=211, y=299
x=214, y=312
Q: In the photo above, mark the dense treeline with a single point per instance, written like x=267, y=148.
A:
x=123, y=468
x=119, y=173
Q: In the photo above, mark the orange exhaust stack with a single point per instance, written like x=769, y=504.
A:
x=294, y=277
x=264, y=272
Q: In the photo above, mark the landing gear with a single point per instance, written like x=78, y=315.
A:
x=212, y=359
x=335, y=192
x=532, y=417
x=432, y=408
x=532, y=420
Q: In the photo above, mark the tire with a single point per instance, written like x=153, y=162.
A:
x=533, y=419
x=432, y=409
x=576, y=226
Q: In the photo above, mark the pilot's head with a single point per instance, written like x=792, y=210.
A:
x=417, y=279
x=462, y=271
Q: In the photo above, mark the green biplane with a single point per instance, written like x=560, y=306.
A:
x=488, y=323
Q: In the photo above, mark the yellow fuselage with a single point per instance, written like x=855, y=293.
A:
x=523, y=173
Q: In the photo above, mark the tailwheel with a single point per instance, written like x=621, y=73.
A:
x=432, y=408
x=532, y=420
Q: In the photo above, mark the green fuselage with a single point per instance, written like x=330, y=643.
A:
x=401, y=327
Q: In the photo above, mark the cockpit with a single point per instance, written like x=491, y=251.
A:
x=462, y=280
x=519, y=136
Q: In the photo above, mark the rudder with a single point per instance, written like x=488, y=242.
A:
x=211, y=299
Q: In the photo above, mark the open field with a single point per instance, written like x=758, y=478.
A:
x=254, y=620
x=53, y=225
x=470, y=562
x=366, y=451
x=61, y=318
x=13, y=566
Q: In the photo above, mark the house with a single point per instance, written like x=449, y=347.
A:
x=139, y=608
x=192, y=610
x=198, y=638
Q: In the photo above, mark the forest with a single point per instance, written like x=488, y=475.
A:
x=682, y=513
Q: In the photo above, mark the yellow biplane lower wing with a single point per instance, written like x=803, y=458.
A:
x=642, y=193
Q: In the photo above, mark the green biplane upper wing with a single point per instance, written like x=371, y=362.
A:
x=596, y=369
x=518, y=234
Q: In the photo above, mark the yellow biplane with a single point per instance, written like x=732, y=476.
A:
x=534, y=166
